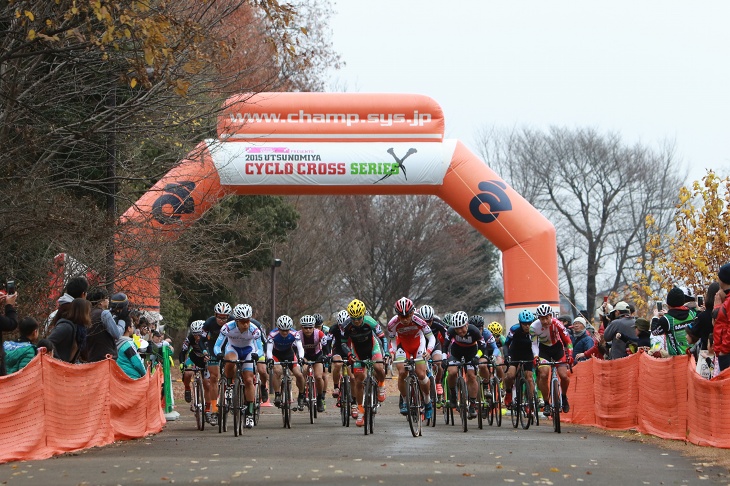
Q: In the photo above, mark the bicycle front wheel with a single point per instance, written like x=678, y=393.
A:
x=237, y=406
x=311, y=399
x=368, y=405
x=222, y=404
x=257, y=403
x=497, y=401
x=345, y=401
x=199, y=402
x=434, y=400
x=514, y=410
x=413, y=400
x=523, y=404
x=463, y=396
x=555, y=397
x=286, y=400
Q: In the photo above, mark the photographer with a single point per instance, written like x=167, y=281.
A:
x=8, y=320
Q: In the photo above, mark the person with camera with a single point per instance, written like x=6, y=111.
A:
x=8, y=319
x=671, y=325
x=104, y=332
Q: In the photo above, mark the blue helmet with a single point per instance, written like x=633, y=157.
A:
x=526, y=316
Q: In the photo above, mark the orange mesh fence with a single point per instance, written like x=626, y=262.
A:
x=662, y=397
x=50, y=407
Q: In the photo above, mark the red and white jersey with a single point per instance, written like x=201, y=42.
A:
x=549, y=335
x=410, y=333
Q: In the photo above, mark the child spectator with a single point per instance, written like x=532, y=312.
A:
x=128, y=357
x=19, y=353
x=154, y=348
x=8, y=322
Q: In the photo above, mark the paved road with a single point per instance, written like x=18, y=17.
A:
x=327, y=453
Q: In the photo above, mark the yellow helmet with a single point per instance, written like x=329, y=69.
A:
x=495, y=328
x=356, y=309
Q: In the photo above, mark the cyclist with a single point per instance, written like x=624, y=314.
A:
x=212, y=327
x=319, y=324
x=244, y=343
x=410, y=337
x=312, y=341
x=498, y=332
x=492, y=348
x=280, y=347
x=551, y=342
x=438, y=329
x=519, y=346
x=261, y=365
x=194, y=352
x=365, y=340
x=464, y=340
x=336, y=338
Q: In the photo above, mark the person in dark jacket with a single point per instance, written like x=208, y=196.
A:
x=104, y=331
x=69, y=334
x=8, y=322
x=582, y=340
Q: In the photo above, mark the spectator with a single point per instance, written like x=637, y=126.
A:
x=104, y=330
x=154, y=348
x=704, y=315
x=19, y=353
x=582, y=341
x=8, y=322
x=128, y=357
x=604, y=316
x=672, y=324
x=721, y=330
x=642, y=337
x=76, y=288
x=622, y=324
x=69, y=334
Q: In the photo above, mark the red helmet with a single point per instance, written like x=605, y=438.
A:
x=404, y=306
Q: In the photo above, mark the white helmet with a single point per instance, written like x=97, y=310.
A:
x=285, y=322
x=460, y=319
x=342, y=316
x=242, y=311
x=196, y=327
x=222, y=308
x=307, y=321
x=426, y=312
x=544, y=310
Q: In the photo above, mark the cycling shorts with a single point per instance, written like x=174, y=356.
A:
x=404, y=353
x=242, y=354
x=552, y=353
x=467, y=353
x=191, y=364
x=375, y=354
x=280, y=356
x=316, y=357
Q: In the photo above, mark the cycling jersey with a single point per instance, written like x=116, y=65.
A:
x=413, y=336
x=243, y=343
x=336, y=340
x=519, y=345
x=282, y=347
x=195, y=348
x=313, y=344
x=674, y=325
x=549, y=341
x=492, y=348
x=364, y=340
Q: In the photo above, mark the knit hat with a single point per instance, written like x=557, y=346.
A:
x=622, y=308
x=676, y=298
x=642, y=324
x=582, y=320
x=724, y=274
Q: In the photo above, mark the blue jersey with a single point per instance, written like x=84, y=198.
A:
x=283, y=344
x=251, y=338
x=492, y=347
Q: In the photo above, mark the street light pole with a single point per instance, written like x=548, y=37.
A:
x=276, y=263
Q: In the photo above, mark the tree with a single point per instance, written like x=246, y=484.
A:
x=692, y=255
x=597, y=191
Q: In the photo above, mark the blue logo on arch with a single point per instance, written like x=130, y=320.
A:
x=492, y=195
x=178, y=198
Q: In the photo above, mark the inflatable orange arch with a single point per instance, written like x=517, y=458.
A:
x=349, y=143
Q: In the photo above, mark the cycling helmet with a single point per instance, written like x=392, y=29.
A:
x=284, y=323
x=242, y=311
x=318, y=319
x=447, y=318
x=495, y=328
x=222, y=308
x=477, y=320
x=460, y=319
x=526, y=316
x=426, y=312
x=356, y=309
x=307, y=321
x=196, y=327
x=404, y=307
x=544, y=310
x=342, y=316
x=119, y=302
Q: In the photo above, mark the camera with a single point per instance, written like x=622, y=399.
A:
x=659, y=305
x=700, y=300
x=10, y=287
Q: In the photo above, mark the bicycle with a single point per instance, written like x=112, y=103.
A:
x=344, y=400
x=522, y=409
x=370, y=393
x=462, y=394
x=447, y=411
x=556, y=392
x=414, y=398
x=197, y=405
x=225, y=399
x=310, y=391
x=432, y=393
x=495, y=404
x=286, y=400
x=238, y=400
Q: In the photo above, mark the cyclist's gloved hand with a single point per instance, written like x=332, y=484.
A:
x=350, y=358
x=219, y=356
x=182, y=367
x=570, y=359
x=254, y=357
x=270, y=363
x=445, y=363
x=475, y=362
x=535, y=360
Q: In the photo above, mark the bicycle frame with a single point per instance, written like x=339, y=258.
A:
x=414, y=398
x=556, y=393
x=369, y=392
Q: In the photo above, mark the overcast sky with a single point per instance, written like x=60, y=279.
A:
x=653, y=71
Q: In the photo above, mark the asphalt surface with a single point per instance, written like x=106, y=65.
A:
x=327, y=453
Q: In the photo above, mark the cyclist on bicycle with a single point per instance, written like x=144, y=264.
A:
x=551, y=342
x=280, y=347
x=194, y=352
x=319, y=324
x=411, y=338
x=438, y=329
x=212, y=327
x=492, y=348
x=365, y=340
x=312, y=341
x=336, y=339
x=464, y=340
x=244, y=344
x=519, y=344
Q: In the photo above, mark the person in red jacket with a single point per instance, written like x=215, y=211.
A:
x=721, y=332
